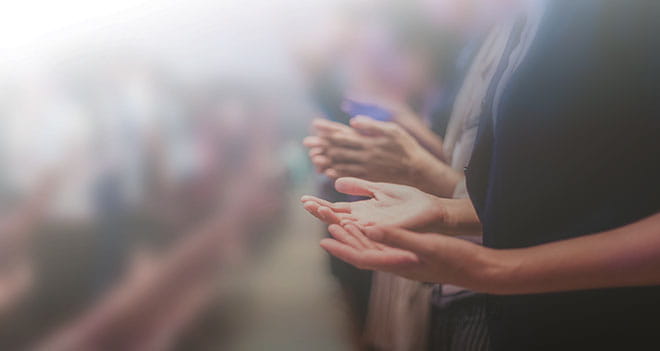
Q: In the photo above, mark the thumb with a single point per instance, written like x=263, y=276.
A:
x=400, y=239
x=369, y=126
x=355, y=186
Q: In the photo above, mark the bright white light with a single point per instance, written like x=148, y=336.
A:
x=30, y=28
x=194, y=33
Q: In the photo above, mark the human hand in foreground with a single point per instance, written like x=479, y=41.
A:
x=395, y=205
x=423, y=257
x=600, y=260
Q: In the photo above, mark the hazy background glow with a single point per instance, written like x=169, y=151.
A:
x=150, y=169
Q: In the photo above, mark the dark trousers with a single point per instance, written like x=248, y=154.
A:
x=460, y=325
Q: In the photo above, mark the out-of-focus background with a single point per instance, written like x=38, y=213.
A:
x=150, y=165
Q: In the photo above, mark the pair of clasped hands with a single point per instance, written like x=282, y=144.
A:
x=397, y=228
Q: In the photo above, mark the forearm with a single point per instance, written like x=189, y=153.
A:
x=429, y=140
x=627, y=256
x=432, y=176
x=455, y=217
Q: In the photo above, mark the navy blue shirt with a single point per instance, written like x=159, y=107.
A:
x=574, y=149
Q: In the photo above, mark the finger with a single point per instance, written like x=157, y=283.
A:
x=342, y=207
x=328, y=216
x=345, y=170
x=370, y=259
x=321, y=162
x=324, y=126
x=342, y=235
x=325, y=214
x=314, y=142
x=343, y=252
x=390, y=260
x=348, y=140
x=343, y=155
x=316, y=151
x=331, y=173
x=369, y=126
x=312, y=208
x=361, y=228
x=355, y=186
x=400, y=238
x=356, y=233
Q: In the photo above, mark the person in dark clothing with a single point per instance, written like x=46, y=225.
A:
x=564, y=181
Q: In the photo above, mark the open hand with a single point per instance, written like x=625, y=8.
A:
x=379, y=152
x=396, y=205
x=387, y=204
x=423, y=257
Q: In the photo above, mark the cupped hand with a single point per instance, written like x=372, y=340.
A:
x=386, y=204
x=323, y=133
x=379, y=152
x=423, y=257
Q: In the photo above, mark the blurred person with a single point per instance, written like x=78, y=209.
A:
x=21, y=220
x=574, y=291
x=396, y=60
x=378, y=151
x=136, y=313
x=391, y=155
x=402, y=165
x=398, y=308
x=17, y=226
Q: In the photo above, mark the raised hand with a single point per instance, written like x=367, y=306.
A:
x=423, y=257
x=395, y=205
x=387, y=204
x=379, y=152
x=349, y=244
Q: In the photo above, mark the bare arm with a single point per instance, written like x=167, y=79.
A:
x=426, y=137
x=624, y=257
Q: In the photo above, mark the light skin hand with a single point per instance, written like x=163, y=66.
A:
x=381, y=152
x=405, y=117
x=395, y=205
x=318, y=143
x=628, y=256
x=422, y=257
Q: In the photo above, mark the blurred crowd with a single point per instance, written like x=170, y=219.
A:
x=127, y=195
x=400, y=64
x=130, y=191
x=466, y=152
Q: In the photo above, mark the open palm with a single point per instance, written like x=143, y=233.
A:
x=387, y=204
x=423, y=257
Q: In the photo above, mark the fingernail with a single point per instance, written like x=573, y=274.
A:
x=331, y=173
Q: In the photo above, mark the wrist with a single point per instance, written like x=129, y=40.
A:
x=445, y=219
x=497, y=272
x=453, y=217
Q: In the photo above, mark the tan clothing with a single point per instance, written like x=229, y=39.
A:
x=399, y=313
x=398, y=316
